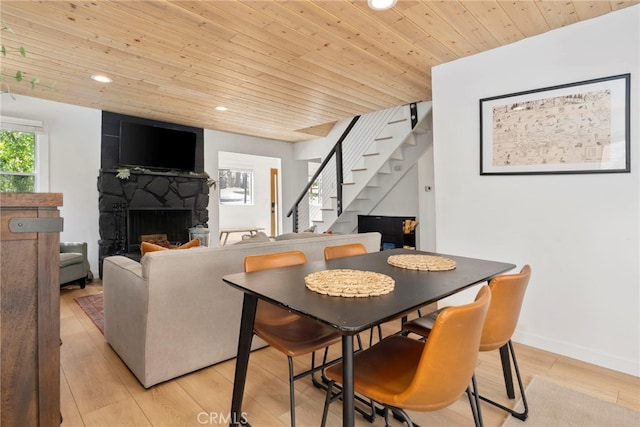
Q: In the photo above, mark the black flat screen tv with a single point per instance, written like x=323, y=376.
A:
x=156, y=147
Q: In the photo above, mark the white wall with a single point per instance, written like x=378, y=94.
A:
x=580, y=233
x=74, y=162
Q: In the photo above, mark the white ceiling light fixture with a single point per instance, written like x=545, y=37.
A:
x=221, y=108
x=381, y=4
x=101, y=78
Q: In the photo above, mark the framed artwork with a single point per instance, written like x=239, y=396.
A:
x=573, y=128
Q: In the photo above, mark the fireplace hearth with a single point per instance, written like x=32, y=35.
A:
x=174, y=222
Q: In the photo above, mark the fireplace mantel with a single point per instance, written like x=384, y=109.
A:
x=142, y=171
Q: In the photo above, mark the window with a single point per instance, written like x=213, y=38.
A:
x=23, y=156
x=236, y=187
x=315, y=195
x=17, y=161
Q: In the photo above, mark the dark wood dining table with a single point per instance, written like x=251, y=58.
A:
x=349, y=316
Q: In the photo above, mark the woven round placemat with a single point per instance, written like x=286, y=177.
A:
x=349, y=283
x=422, y=262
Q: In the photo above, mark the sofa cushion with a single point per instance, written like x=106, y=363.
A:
x=151, y=247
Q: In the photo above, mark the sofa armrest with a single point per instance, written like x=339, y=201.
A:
x=77, y=247
x=74, y=264
x=126, y=296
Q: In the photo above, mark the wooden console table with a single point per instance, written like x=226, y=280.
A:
x=226, y=231
x=30, y=226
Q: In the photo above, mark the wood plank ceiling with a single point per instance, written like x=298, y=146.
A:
x=285, y=70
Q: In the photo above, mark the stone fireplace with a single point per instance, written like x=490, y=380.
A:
x=155, y=202
x=148, y=203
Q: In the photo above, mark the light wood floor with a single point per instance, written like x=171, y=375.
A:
x=97, y=389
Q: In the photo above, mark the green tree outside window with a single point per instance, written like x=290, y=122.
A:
x=17, y=161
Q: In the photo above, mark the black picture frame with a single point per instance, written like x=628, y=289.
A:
x=581, y=127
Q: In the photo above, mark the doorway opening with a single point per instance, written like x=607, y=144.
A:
x=250, y=194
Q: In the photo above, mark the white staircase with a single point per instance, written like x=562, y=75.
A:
x=380, y=149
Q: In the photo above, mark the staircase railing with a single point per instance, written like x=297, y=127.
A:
x=336, y=152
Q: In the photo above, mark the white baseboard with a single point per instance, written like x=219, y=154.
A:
x=589, y=355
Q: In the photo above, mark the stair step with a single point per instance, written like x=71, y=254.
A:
x=385, y=169
x=397, y=155
x=383, y=138
x=411, y=140
x=400, y=120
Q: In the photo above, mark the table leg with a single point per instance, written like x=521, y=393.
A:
x=506, y=371
x=348, y=407
x=242, y=360
x=226, y=236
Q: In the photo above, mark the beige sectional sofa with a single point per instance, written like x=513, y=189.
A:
x=171, y=313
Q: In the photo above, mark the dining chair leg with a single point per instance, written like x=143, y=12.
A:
x=475, y=402
x=506, y=371
x=330, y=397
x=371, y=335
x=519, y=415
x=292, y=397
x=323, y=379
x=472, y=405
x=397, y=413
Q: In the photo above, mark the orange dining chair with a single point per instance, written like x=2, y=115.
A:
x=349, y=249
x=288, y=332
x=402, y=373
x=507, y=291
x=341, y=251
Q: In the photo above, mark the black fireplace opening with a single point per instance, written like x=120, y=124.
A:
x=174, y=222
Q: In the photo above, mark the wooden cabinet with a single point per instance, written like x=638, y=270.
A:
x=30, y=226
x=392, y=228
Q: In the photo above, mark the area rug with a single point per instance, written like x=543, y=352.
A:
x=554, y=405
x=92, y=306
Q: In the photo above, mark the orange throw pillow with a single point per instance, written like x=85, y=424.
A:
x=151, y=247
x=192, y=244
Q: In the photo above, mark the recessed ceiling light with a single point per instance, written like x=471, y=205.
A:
x=221, y=108
x=381, y=4
x=100, y=78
